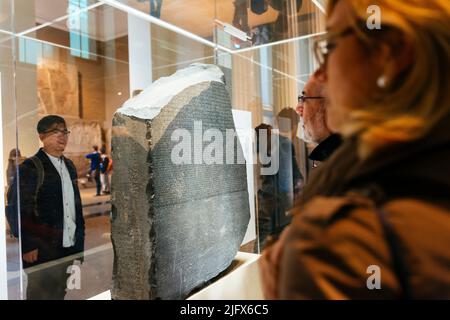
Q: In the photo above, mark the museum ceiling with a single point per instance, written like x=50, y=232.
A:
x=107, y=23
x=195, y=16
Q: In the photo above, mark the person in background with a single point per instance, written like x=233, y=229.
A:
x=105, y=169
x=260, y=35
x=95, y=168
x=288, y=121
x=278, y=191
x=15, y=158
x=374, y=220
x=312, y=108
x=266, y=186
x=240, y=16
x=51, y=218
x=155, y=7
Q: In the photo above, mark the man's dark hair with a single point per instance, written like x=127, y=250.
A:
x=95, y=148
x=288, y=118
x=290, y=114
x=48, y=121
x=259, y=132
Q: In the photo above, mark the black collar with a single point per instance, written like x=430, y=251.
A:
x=326, y=148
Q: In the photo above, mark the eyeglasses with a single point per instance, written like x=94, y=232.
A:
x=326, y=44
x=56, y=131
x=302, y=98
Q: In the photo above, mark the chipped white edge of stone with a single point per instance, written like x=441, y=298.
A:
x=149, y=102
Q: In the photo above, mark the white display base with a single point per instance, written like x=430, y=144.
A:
x=241, y=283
x=102, y=296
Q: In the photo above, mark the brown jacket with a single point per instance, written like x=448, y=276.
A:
x=338, y=233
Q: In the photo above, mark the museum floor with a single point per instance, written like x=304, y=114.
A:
x=97, y=267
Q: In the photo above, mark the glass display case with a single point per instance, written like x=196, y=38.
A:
x=83, y=59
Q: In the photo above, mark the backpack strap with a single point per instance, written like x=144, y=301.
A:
x=40, y=180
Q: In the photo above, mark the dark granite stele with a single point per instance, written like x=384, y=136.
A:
x=174, y=227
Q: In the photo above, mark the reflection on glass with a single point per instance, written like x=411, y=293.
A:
x=278, y=191
x=82, y=68
x=155, y=7
x=271, y=21
x=51, y=225
x=78, y=25
x=240, y=17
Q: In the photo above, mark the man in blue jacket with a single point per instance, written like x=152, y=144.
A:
x=95, y=158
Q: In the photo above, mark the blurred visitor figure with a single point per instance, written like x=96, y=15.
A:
x=105, y=170
x=374, y=219
x=280, y=4
x=155, y=7
x=288, y=121
x=94, y=171
x=312, y=108
x=266, y=185
x=287, y=14
x=260, y=35
x=15, y=158
x=51, y=219
x=240, y=16
x=277, y=192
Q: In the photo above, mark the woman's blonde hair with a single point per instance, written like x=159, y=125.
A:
x=417, y=100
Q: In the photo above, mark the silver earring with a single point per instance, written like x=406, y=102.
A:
x=382, y=82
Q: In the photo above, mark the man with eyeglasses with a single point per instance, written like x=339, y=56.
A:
x=51, y=219
x=312, y=110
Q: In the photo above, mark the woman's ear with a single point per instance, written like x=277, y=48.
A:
x=395, y=55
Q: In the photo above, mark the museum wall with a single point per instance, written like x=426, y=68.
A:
x=285, y=87
x=21, y=79
x=172, y=51
x=117, y=82
x=87, y=75
x=246, y=90
x=7, y=100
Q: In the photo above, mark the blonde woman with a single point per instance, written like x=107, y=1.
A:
x=374, y=221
